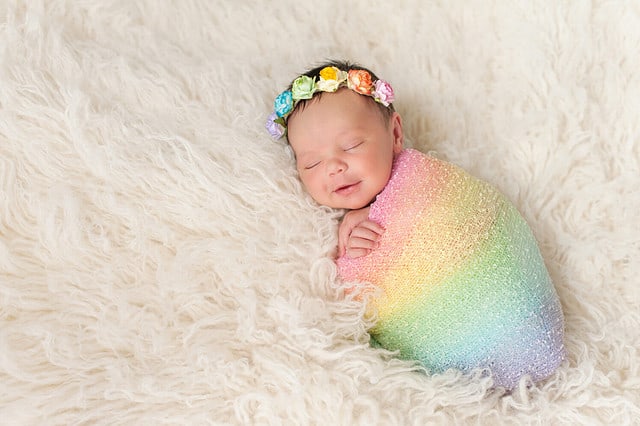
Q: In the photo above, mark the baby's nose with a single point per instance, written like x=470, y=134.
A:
x=336, y=166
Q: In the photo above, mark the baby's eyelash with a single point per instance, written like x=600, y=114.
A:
x=311, y=166
x=354, y=146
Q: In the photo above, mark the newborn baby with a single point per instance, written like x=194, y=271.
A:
x=462, y=283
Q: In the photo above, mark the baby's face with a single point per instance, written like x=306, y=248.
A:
x=344, y=148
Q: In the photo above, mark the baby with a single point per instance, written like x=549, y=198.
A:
x=462, y=283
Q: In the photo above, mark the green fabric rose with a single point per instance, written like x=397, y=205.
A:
x=303, y=87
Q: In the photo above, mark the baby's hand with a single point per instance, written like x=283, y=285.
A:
x=357, y=235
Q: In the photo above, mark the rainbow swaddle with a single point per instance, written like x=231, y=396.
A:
x=463, y=284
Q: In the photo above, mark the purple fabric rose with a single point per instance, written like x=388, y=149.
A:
x=275, y=129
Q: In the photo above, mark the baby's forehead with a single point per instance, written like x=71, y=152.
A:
x=343, y=94
x=337, y=117
x=343, y=99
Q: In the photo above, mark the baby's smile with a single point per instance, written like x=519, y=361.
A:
x=349, y=189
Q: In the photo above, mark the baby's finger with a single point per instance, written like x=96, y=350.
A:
x=361, y=243
x=355, y=253
x=372, y=226
x=363, y=233
x=342, y=246
x=343, y=234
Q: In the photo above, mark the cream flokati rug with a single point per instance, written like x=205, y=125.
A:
x=160, y=263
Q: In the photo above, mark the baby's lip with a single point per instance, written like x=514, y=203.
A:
x=346, y=189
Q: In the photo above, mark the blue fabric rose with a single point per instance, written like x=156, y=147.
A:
x=284, y=103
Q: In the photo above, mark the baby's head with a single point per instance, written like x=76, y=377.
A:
x=344, y=131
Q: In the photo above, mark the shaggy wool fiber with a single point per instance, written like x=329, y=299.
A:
x=160, y=262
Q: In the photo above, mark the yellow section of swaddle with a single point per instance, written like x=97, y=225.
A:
x=445, y=235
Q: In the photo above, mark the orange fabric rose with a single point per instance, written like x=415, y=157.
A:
x=360, y=81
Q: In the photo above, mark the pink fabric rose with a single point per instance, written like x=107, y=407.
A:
x=383, y=93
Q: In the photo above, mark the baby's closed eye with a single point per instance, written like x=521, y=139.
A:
x=354, y=145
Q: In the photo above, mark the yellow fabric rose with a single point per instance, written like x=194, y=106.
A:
x=329, y=73
x=330, y=79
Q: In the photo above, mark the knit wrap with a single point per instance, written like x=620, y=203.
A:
x=461, y=281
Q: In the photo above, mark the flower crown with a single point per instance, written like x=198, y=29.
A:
x=331, y=79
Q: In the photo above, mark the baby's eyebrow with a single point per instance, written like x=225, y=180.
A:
x=304, y=154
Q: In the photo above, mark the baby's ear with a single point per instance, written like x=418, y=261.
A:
x=398, y=136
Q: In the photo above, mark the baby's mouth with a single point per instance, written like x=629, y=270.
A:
x=347, y=189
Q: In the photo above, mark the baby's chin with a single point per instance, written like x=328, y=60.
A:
x=353, y=204
x=361, y=198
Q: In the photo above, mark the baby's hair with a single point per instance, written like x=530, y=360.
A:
x=387, y=111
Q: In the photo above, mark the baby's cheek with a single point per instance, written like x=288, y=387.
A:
x=314, y=187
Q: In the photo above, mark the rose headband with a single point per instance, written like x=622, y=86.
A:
x=331, y=79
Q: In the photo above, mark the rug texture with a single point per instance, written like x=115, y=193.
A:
x=160, y=263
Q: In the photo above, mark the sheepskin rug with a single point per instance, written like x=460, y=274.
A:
x=160, y=263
